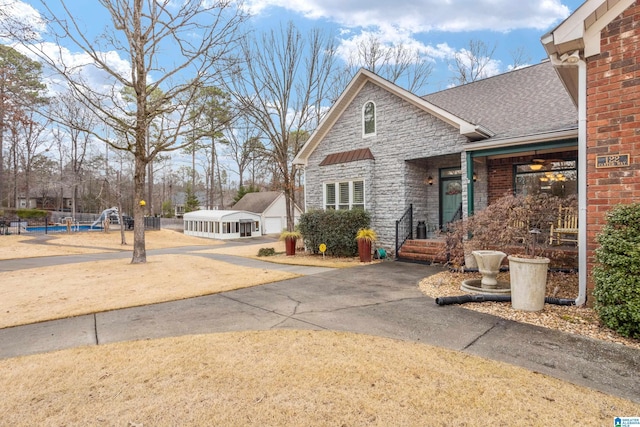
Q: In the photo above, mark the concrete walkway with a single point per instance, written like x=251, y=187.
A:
x=381, y=299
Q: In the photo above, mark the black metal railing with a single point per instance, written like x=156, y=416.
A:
x=404, y=228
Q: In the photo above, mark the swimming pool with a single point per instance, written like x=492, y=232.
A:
x=60, y=229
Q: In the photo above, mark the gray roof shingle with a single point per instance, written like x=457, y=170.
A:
x=523, y=102
x=256, y=202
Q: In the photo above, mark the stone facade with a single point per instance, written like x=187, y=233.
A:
x=613, y=113
x=409, y=145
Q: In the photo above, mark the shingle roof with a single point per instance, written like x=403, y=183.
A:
x=347, y=156
x=527, y=101
x=256, y=202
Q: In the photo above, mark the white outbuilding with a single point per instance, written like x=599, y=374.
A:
x=271, y=205
x=217, y=224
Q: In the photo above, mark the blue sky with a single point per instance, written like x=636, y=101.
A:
x=436, y=28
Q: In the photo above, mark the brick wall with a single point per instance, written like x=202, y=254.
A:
x=613, y=112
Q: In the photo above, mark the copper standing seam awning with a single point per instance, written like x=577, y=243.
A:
x=347, y=156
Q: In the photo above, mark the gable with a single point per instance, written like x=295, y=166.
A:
x=346, y=99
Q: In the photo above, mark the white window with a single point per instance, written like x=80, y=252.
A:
x=330, y=196
x=369, y=119
x=357, y=201
x=344, y=195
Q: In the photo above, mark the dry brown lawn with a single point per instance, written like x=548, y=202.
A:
x=251, y=378
x=47, y=293
x=19, y=246
x=279, y=378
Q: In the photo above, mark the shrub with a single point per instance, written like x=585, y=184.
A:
x=31, y=213
x=505, y=225
x=335, y=228
x=266, y=252
x=617, y=273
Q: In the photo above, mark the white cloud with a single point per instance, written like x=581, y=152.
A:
x=407, y=22
x=80, y=64
x=417, y=16
x=19, y=18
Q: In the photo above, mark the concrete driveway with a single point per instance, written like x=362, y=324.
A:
x=381, y=299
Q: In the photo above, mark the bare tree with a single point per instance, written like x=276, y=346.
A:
x=519, y=57
x=196, y=38
x=74, y=119
x=472, y=62
x=282, y=89
x=31, y=131
x=244, y=149
x=397, y=63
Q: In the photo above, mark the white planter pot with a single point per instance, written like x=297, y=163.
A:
x=528, y=282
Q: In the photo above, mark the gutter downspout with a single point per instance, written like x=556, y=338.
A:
x=582, y=183
x=582, y=170
x=304, y=179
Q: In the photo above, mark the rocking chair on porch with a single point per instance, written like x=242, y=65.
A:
x=565, y=229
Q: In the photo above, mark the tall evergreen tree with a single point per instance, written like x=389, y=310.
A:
x=21, y=88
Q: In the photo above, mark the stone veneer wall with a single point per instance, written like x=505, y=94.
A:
x=613, y=113
x=404, y=133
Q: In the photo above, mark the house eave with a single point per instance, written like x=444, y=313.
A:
x=523, y=140
x=581, y=30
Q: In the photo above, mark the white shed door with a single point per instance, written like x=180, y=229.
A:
x=273, y=225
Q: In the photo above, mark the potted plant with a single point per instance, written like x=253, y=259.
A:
x=365, y=237
x=528, y=277
x=528, y=267
x=290, y=238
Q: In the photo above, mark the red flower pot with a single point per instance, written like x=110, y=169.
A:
x=290, y=245
x=364, y=250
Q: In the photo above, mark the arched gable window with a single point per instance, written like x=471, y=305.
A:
x=369, y=119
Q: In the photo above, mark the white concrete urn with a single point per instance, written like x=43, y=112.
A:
x=489, y=265
x=528, y=282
